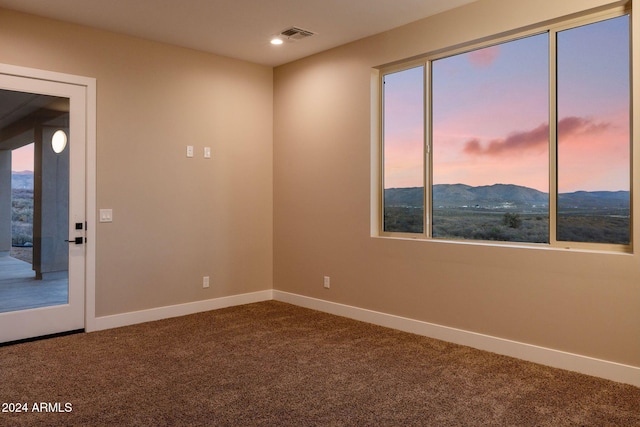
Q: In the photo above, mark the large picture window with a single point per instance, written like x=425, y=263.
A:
x=491, y=142
x=524, y=140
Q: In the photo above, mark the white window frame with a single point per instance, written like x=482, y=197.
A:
x=426, y=61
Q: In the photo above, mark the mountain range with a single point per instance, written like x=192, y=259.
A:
x=461, y=195
x=22, y=180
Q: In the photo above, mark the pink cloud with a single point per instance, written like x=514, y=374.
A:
x=537, y=138
x=484, y=57
x=571, y=126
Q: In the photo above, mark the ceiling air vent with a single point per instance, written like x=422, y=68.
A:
x=295, y=33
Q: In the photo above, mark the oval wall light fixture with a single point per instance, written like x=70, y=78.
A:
x=59, y=141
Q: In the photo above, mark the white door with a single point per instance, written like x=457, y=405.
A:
x=59, y=224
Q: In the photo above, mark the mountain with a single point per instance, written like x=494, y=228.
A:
x=595, y=199
x=22, y=180
x=502, y=195
x=455, y=195
x=405, y=197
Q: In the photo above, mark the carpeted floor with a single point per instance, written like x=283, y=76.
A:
x=274, y=364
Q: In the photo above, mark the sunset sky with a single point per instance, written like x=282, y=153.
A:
x=490, y=114
x=22, y=159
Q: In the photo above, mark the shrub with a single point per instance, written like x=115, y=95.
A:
x=512, y=220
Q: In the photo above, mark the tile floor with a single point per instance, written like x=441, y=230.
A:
x=19, y=290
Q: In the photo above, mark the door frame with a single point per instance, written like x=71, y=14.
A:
x=89, y=83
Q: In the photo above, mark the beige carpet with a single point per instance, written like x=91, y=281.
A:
x=274, y=364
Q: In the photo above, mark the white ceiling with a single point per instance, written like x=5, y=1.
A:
x=240, y=28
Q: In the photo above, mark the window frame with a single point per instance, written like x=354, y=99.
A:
x=552, y=28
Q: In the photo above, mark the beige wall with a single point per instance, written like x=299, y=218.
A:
x=580, y=302
x=175, y=219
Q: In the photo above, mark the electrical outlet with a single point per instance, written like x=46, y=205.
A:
x=189, y=151
x=327, y=282
x=205, y=282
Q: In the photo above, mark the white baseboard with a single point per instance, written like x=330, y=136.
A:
x=545, y=356
x=131, y=318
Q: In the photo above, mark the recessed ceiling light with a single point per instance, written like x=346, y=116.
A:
x=276, y=41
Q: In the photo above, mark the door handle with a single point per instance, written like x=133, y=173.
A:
x=76, y=240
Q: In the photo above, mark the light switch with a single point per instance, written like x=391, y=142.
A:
x=207, y=152
x=189, y=150
x=106, y=215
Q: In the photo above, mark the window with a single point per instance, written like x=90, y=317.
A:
x=404, y=151
x=527, y=140
x=491, y=142
x=594, y=133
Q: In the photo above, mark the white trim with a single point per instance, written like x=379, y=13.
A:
x=159, y=313
x=89, y=83
x=91, y=207
x=532, y=353
x=52, y=76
